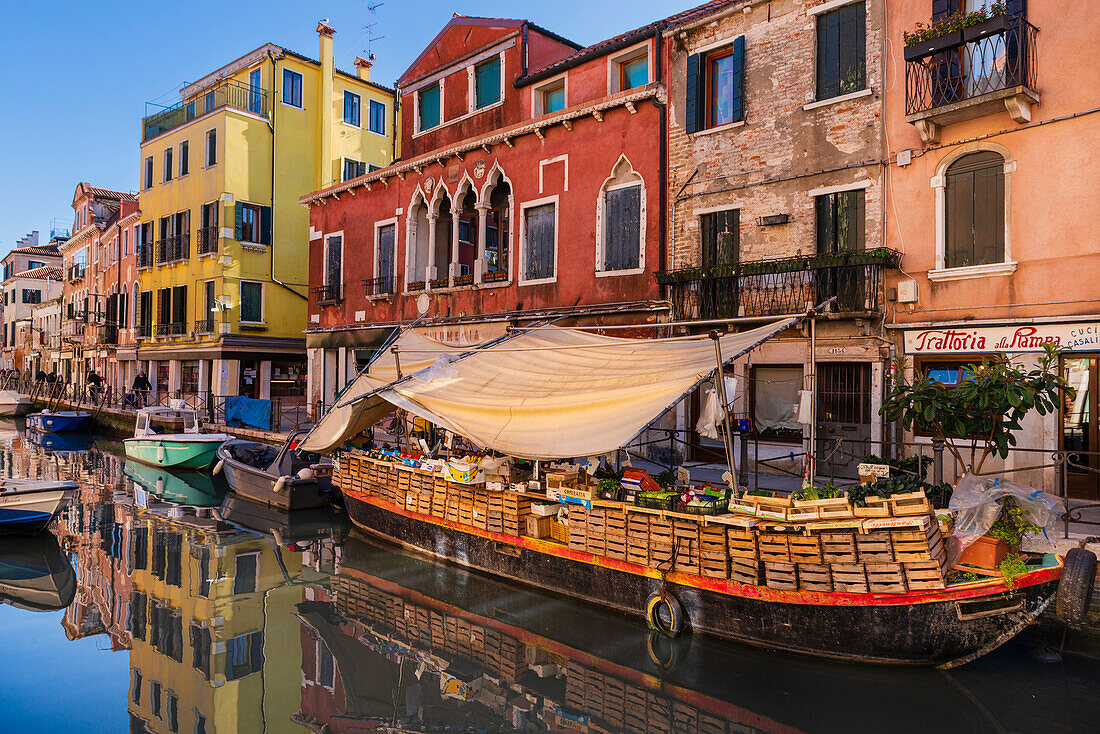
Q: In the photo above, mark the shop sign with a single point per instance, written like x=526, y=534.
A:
x=1073, y=337
x=464, y=335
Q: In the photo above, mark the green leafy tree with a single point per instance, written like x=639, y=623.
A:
x=980, y=414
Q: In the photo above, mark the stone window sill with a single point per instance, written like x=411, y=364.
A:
x=972, y=271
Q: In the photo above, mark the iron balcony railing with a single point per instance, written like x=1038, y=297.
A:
x=144, y=331
x=991, y=57
x=206, y=241
x=204, y=326
x=173, y=249
x=378, y=286
x=227, y=94
x=76, y=272
x=145, y=255
x=173, y=329
x=324, y=295
x=773, y=287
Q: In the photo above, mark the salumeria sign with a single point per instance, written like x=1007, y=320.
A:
x=1077, y=337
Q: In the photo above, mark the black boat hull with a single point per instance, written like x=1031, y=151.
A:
x=944, y=629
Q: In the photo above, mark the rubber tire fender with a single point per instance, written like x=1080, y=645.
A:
x=653, y=619
x=1075, y=588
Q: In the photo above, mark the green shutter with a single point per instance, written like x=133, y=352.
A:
x=265, y=225
x=694, y=102
x=238, y=215
x=739, y=79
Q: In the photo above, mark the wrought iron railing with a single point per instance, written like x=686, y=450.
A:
x=378, y=286
x=204, y=326
x=773, y=287
x=996, y=55
x=143, y=331
x=206, y=241
x=326, y=294
x=76, y=272
x=173, y=248
x=173, y=329
x=227, y=94
x=145, y=255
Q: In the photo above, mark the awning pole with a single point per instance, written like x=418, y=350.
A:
x=727, y=434
x=811, y=452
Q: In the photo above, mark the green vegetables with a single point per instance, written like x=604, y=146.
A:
x=828, y=492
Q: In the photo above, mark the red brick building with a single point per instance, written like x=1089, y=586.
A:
x=530, y=186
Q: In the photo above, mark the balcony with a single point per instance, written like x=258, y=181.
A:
x=145, y=256
x=76, y=272
x=204, y=326
x=227, y=94
x=327, y=295
x=378, y=286
x=173, y=249
x=970, y=73
x=206, y=241
x=776, y=287
x=172, y=329
x=108, y=335
x=143, y=331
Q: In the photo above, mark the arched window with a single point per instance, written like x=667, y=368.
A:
x=416, y=244
x=974, y=210
x=620, y=221
x=498, y=232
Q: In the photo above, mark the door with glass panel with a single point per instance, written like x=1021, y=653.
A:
x=1080, y=428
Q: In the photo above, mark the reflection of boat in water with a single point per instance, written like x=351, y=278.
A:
x=456, y=646
x=35, y=574
x=190, y=488
x=60, y=421
x=59, y=442
x=286, y=525
x=279, y=476
x=27, y=506
x=13, y=404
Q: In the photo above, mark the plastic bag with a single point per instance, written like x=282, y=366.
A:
x=976, y=505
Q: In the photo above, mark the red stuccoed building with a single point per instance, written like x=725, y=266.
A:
x=529, y=186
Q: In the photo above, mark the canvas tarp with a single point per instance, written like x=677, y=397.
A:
x=546, y=393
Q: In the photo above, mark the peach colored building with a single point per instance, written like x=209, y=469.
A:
x=990, y=132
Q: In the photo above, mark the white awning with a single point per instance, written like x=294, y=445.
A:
x=546, y=393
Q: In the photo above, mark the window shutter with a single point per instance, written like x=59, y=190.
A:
x=694, y=102
x=265, y=225
x=989, y=216
x=238, y=212
x=739, y=78
x=960, y=220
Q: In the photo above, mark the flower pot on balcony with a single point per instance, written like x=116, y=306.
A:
x=986, y=552
x=991, y=27
x=945, y=42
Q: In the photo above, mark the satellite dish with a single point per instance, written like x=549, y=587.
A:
x=422, y=303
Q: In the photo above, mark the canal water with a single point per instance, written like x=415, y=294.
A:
x=158, y=604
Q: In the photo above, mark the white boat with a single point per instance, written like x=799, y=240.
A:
x=13, y=404
x=190, y=449
x=27, y=506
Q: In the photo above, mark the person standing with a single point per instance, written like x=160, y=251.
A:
x=141, y=388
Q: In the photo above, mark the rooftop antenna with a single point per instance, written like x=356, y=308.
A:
x=372, y=11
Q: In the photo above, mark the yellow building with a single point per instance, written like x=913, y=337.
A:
x=223, y=241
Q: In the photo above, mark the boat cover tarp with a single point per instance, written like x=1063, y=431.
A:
x=548, y=393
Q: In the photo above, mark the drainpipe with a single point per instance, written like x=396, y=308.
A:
x=396, y=109
x=662, y=217
x=274, y=110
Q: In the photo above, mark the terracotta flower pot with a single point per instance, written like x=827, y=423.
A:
x=986, y=552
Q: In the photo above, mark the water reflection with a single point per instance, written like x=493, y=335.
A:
x=236, y=617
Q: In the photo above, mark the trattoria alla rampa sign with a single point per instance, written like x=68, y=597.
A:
x=1074, y=337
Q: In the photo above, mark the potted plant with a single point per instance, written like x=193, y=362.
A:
x=1002, y=541
x=952, y=31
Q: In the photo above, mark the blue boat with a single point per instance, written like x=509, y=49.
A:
x=27, y=506
x=59, y=442
x=61, y=420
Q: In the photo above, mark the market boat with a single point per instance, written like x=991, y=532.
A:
x=27, y=506
x=13, y=404
x=284, y=477
x=834, y=580
x=190, y=449
x=35, y=574
x=190, y=488
x=60, y=420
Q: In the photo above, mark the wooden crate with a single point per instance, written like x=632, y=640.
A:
x=874, y=547
x=746, y=571
x=715, y=568
x=536, y=526
x=913, y=503
x=923, y=576
x=805, y=549
x=914, y=546
x=685, y=537
x=849, y=577
x=774, y=547
x=814, y=577
x=838, y=548
x=742, y=543
x=595, y=542
x=886, y=578
x=781, y=575
x=638, y=554
x=616, y=548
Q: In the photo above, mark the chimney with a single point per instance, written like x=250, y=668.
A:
x=362, y=68
x=328, y=74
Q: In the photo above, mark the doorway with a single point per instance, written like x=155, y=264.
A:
x=844, y=413
x=249, y=385
x=1080, y=428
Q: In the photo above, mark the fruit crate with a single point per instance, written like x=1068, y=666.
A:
x=782, y=576
x=814, y=577
x=886, y=578
x=874, y=547
x=839, y=548
x=849, y=577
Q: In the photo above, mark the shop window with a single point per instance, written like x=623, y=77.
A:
x=975, y=210
x=774, y=401
x=841, y=50
x=428, y=107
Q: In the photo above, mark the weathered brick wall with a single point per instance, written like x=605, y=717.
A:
x=770, y=163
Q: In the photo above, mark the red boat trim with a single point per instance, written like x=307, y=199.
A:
x=653, y=683
x=723, y=586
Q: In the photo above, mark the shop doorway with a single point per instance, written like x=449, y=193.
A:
x=1080, y=428
x=843, y=412
x=249, y=385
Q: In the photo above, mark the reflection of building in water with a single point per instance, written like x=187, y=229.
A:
x=214, y=634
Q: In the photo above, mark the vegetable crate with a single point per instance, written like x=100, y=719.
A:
x=874, y=547
x=781, y=576
x=814, y=577
x=774, y=548
x=838, y=548
x=746, y=571
x=886, y=578
x=742, y=543
x=849, y=577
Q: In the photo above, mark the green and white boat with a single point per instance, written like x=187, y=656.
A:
x=152, y=443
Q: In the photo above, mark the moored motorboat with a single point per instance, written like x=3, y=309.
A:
x=153, y=444
x=60, y=420
x=13, y=403
x=28, y=506
x=35, y=574
x=283, y=477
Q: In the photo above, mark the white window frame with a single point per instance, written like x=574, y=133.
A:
x=374, y=266
x=147, y=173
x=471, y=76
x=385, y=116
x=614, y=63
x=180, y=173
x=343, y=107
x=813, y=13
x=343, y=163
x=521, y=256
x=240, y=295
x=537, y=107
x=939, y=186
x=324, y=259
x=416, y=118
x=282, y=90
x=601, y=203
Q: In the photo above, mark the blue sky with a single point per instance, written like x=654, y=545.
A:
x=77, y=75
